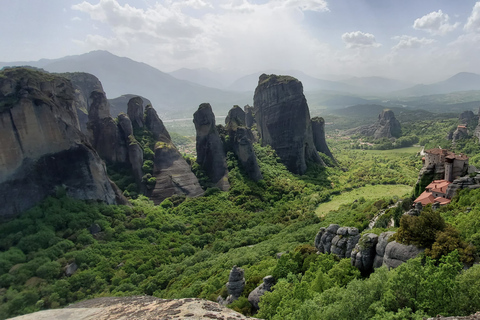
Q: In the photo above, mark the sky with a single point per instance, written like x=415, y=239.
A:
x=419, y=41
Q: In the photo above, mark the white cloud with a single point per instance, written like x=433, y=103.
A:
x=473, y=22
x=409, y=42
x=436, y=23
x=358, y=39
x=249, y=36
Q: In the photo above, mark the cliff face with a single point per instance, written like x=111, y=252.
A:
x=241, y=139
x=173, y=174
x=41, y=145
x=318, y=130
x=283, y=121
x=210, y=153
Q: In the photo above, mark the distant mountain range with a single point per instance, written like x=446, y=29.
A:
x=177, y=94
x=170, y=96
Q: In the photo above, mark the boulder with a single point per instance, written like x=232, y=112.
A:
x=344, y=242
x=235, y=284
x=135, y=111
x=210, y=152
x=283, y=121
x=397, y=253
x=323, y=240
x=363, y=255
x=380, y=248
x=94, y=229
x=70, y=269
x=254, y=296
x=318, y=131
x=41, y=145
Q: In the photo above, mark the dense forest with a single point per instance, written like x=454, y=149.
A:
x=185, y=247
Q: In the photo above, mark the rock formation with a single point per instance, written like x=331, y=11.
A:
x=318, y=131
x=155, y=125
x=235, y=285
x=254, y=296
x=41, y=145
x=120, y=104
x=249, y=116
x=364, y=253
x=241, y=139
x=283, y=121
x=135, y=111
x=466, y=118
x=397, y=253
x=387, y=126
x=460, y=133
x=137, y=307
x=210, y=153
x=462, y=183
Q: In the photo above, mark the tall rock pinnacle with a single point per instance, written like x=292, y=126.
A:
x=210, y=153
x=283, y=121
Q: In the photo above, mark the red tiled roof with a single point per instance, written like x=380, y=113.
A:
x=442, y=200
x=425, y=198
x=438, y=186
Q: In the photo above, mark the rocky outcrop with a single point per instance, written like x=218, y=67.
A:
x=210, y=153
x=235, y=285
x=387, y=126
x=344, y=242
x=462, y=183
x=283, y=121
x=323, y=240
x=120, y=104
x=173, y=174
x=318, y=131
x=382, y=242
x=41, y=145
x=155, y=125
x=460, y=133
x=266, y=286
x=397, y=253
x=137, y=307
x=135, y=111
x=249, y=116
x=466, y=117
x=83, y=84
x=363, y=255
x=241, y=139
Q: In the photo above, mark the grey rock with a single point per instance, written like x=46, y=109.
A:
x=155, y=125
x=397, y=253
x=460, y=133
x=254, y=296
x=94, y=229
x=318, y=131
x=70, y=269
x=344, y=242
x=235, y=118
x=135, y=111
x=283, y=121
x=382, y=242
x=125, y=124
x=387, y=126
x=235, y=284
x=462, y=183
x=363, y=255
x=243, y=149
x=249, y=116
x=327, y=237
x=210, y=153
x=120, y=104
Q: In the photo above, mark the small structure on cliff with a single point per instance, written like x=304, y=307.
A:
x=434, y=192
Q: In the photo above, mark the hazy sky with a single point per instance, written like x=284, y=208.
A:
x=420, y=40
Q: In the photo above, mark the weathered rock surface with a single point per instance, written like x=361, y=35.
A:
x=363, y=255
x=380, y=248
x=323, y=240
x=242, y=142
x=70, y=269
x=156, y=126
x=462, y=183
x=41, y=145
x=137, y=307
x=120, y=104
x=173, y=174
x=460, y=133
x=318, y=131
x=210, y=153
x=83, y=84
x=254, y=296
x=235, y=286
x=135, y=111
x=344, y=242
x=283, y=121
x=397, y=253
x=249, y=116
x=387, y=126
x=466, y=117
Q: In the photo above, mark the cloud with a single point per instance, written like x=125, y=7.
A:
x=473, y=22
x=409, y=42
x=172, y=33
x=358, y=39
x=436, y=23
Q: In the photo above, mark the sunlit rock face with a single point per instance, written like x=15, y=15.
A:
x=283, y=121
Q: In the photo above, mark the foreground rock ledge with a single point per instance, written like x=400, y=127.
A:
x=138, y=307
